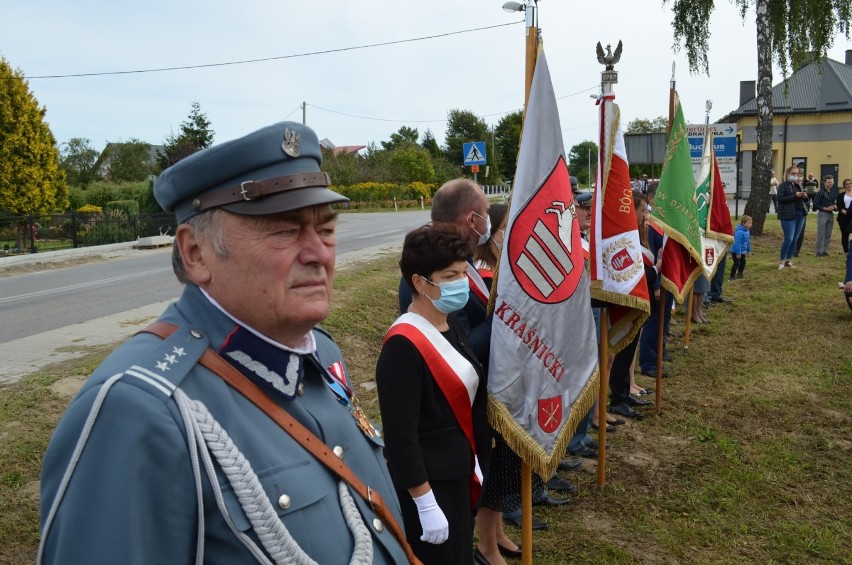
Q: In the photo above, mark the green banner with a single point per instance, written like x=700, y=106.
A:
x=675, y=209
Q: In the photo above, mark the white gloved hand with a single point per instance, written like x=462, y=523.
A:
x=436, y=529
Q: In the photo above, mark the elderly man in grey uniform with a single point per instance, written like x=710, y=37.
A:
x=158, y=459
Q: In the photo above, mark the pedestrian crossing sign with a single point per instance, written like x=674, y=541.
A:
x=473, y=153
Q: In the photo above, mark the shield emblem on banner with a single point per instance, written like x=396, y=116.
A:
x=709, y=256
x=621, y=260
x=550, y=413
x=545, y=248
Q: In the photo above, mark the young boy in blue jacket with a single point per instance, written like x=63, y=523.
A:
x=741, y=247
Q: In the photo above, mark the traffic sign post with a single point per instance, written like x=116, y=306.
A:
x=473, y=153
x=725, y=146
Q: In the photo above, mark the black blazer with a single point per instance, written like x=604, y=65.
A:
x=843, y=219
x=788, y=202
x=423, y=439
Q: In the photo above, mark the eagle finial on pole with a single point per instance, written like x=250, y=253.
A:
x=609, y=59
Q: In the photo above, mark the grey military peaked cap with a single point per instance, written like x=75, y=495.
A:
x=583, y=199
x=274, y=169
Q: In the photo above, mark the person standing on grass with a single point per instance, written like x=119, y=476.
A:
x=844, y=214
x=809, y=190
x=227, y=432
x=792, y=202
x=773, y=192
x=741, y=247
x=847, y=286
x=433, y=399
x=825, y=203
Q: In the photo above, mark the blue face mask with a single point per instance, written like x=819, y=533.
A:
x=454, y=295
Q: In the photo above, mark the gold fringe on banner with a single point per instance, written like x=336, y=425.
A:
x=525, y=446
x=680, y=295
x=641, y=312
x=634, y=321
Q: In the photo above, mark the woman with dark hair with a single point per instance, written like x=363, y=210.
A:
x=432, y=396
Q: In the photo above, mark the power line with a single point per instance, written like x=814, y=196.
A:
x=375, y=119
x=264, y=59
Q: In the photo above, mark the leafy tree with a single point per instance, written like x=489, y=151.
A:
x=344, y=169
x=579, y=158
x=195, y=135
x=411, y=163
x=31, y=181
x=376, y=166
x=787, y=30
x=463, y=126
x=78, y=159
x=405, y=136
x=430, y=145
x=640, y=125
x=127, y=161
x=444, y=170
x=507, y=138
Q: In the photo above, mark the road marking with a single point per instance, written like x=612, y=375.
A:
x=82, y=285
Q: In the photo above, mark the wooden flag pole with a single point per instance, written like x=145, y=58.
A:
x=526, y=474
x=687, y=329
x=658, y=396
x=526, y=514
x=603, y=367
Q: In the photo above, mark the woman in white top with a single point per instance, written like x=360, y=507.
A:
x=773, y=192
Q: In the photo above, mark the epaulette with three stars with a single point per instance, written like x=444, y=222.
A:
x=170, y=359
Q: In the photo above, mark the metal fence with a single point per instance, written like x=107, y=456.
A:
x=31, y=234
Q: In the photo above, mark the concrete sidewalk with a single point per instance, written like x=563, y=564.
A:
x=28, y=355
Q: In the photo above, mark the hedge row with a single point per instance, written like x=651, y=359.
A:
x=386, y=191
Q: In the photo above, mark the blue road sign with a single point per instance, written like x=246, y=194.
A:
x=473, y=153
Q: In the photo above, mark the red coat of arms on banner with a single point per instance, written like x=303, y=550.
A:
x=709, y=255
x=545, y=248
x=621, y=260
x=550, y=413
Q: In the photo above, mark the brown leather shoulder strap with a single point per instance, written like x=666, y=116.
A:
x=315, y=446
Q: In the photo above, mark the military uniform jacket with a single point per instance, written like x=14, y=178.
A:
x=140, y=490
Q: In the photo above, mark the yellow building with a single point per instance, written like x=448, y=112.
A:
x=812, y=122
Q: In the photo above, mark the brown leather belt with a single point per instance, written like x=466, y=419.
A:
x=315, y=446
x=254, y=189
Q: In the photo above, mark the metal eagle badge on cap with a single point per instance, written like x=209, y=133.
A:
x=291, y=142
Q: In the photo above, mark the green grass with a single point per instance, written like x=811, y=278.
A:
x=750, y=461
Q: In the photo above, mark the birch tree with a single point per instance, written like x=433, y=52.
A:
x=787, y=31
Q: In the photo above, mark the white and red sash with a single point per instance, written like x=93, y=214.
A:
x=456, y=377
x=477, y=285
x=648, y=257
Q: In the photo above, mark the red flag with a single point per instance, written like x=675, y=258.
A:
x=679, y=268
x=617, y=270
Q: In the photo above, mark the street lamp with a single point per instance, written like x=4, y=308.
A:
x=531, y=17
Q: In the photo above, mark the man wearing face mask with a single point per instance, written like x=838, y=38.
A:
x=462, y=203
x=432, y=394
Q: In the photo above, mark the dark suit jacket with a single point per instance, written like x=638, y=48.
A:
x=843, y=219
x=423, y=439
x=788, y=202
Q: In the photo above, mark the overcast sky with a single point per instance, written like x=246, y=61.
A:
x=358, y=95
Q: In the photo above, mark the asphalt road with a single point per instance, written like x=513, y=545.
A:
x=38, y=302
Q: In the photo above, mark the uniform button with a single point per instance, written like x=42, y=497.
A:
x=338, y=451
x=377, y=524
x=284, y=501
x=300, y=390
x=195, y=333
